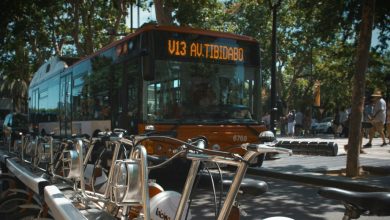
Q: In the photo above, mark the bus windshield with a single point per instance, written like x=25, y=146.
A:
x=200, y=93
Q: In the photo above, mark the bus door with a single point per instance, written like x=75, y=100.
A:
x=34, y=108
x=65, y=105
x=133, y=94
x=128, y=96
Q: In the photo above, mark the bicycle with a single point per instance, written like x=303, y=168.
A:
x=21, y=194
x=359, y=203
x=199, y=155
x=128, y=192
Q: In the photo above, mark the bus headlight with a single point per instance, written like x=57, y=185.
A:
x=201, y=143
x=266, y=136
x=126, y=184
x=150, y=128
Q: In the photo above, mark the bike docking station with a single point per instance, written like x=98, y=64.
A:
x=322, y=148
x=107, y=177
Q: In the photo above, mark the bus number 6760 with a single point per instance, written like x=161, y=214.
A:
x=240, y=138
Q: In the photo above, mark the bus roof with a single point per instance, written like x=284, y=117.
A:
x=54, y=65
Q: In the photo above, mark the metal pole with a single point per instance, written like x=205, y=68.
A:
x=273, y=67
x=187, y=188
x=138, y=13
x=131, y=18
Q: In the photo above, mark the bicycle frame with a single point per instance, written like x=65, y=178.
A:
x=240, y=163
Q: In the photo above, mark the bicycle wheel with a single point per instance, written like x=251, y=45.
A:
x=8, y=182
x=9, y=206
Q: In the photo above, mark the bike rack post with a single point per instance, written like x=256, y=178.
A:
x=231, y=195
x=111, y=172
x=142, y=154
x=187, y=188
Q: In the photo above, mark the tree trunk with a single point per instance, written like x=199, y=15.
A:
x=163, y=12
x=364, y=42
x=76, y=27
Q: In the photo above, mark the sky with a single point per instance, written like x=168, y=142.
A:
x=145, y=16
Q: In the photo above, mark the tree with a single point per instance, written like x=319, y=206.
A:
x=163, y=12
x=316, y=39
x=88, y=22
x=21, y=28
x=355, y=136
x=31, y=32
x=199, y=13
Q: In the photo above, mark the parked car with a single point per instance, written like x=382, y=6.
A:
x=323, y=126
x=13, y=124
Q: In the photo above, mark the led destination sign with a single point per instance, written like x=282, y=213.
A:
x=181, y=48
x=188, y=47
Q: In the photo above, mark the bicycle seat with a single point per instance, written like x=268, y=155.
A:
x=250, y=186
x=376, y=203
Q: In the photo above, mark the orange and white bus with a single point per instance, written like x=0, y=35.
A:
x=185, y=82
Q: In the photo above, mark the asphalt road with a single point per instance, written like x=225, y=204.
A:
x=284, y=198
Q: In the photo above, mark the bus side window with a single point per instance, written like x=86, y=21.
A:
x=147, y=56
x=97, y=111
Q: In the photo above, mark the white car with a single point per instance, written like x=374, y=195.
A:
x=323, y=126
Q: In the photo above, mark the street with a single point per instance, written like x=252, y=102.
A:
x=284, y=198
x=296, y=199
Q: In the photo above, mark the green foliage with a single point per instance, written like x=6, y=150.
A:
x=316, y=39
x=32, y=31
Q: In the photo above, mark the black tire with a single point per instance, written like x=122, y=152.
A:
x=6, y=181
x=9, y=206
x=10, y=203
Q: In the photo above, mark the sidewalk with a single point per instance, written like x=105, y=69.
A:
x=326, y=170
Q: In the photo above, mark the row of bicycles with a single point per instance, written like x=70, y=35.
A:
x=108, y=177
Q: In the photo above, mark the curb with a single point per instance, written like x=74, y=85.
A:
x=318, y=180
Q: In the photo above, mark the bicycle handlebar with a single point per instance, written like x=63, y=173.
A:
x=192, y=151
x=264, y=148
